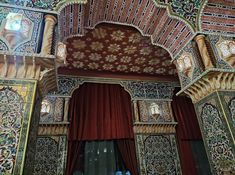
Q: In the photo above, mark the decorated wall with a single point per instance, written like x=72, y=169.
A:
x=218, y=49
x=154, y=133
x=33, y=132
x=158, y=155
x=51, y=140
x=16, y=106
x=25, y=25
x=216, y=122
x=51, y=155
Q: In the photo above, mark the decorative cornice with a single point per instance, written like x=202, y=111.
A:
x=154, y=128
x=30, y=67
x=53, y=128
x=210, y=81
x=137, y=89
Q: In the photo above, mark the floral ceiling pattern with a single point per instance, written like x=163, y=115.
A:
x=117, y=49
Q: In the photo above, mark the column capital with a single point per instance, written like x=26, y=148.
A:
x=198, y=37
x=208, y=83
x=50, y=18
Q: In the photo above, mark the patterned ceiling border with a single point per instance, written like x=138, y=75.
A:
x=63, y=3
x=175, y=12
x=49, y=5
x=137, y=89
x=217, y=18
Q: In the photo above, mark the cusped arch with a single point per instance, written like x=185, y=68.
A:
x=165, y=31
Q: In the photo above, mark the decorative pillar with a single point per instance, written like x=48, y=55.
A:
x=213, y=96
x=17, y=99
x=217, y=122
x=66, y=109
x=154, y=127
x=200, y=40
x=136, y=113
x=50, y=22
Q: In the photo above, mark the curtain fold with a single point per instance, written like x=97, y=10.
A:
x=101, y=112
x=186, y=130
x=75, y=157
x=128, y=153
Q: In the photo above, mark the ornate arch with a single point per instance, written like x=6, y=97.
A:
x=166, y=31
x=137, y=89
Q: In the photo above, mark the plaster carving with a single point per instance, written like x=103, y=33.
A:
x=16, y=29
x=185, y=64
x=226, y=49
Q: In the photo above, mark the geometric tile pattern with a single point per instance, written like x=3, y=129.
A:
x=138, y=90
x=158, y=155
x=117, y=49
x=50, y=157
x=17, y=99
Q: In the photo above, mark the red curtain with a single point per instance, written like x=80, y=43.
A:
x=127, y=150
x=101, y=112
x=187, y=130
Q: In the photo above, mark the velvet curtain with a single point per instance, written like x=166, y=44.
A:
x=101, y=112
x=187, y=130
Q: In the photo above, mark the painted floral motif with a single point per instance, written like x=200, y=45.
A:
x=154, y=61
x=11, y=121
x=113, y=49
x=140, y=60
x=215, y=134
x=108, y=66
x=148, y=69
x=166, y=63
x=96, y=46
x=117, y=35
x=160, y=71
x=135, y=69
x=121, y=67
x=93, y=65
x=111, y=58
x=145, y=51
x=99, y=33
x=78, y=55
x=135, y=38
x=130, y=49
x=79, y=44
x=78, y=64
x=95, y=57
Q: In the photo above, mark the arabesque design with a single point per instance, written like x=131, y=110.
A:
x=10, y=125
x=215, y=136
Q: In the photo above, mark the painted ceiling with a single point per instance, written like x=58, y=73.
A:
x=117, y=49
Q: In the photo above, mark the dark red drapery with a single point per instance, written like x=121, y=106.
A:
x=101, y=112
x=187, y=130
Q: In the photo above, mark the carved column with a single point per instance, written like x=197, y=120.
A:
x=136, y=113
x=66, y=109
x=50, y=22
x=200, y=40
x=214, y=99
